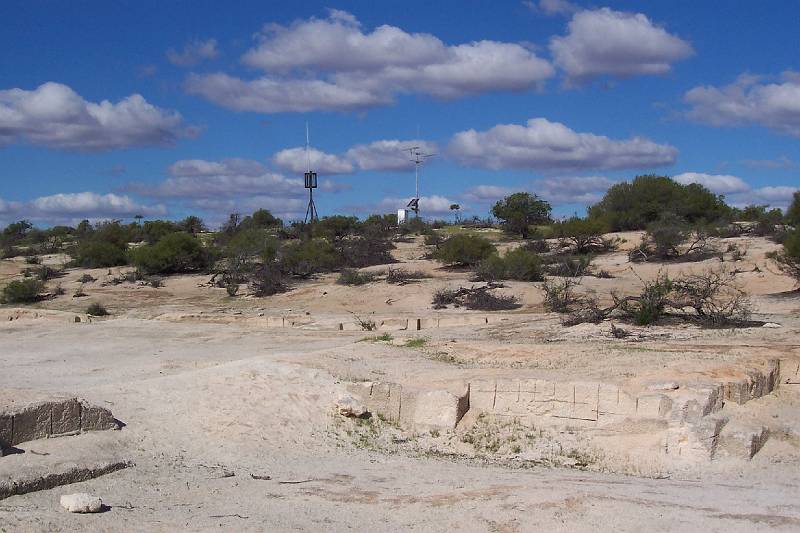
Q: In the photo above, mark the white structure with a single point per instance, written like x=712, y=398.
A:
x=402, y=216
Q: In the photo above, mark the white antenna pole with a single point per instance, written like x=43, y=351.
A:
x=308, y=155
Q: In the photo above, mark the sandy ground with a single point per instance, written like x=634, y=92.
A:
x=206, y=390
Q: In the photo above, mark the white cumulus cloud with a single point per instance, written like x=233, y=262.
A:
x=716, y=183
x=296, y=160
x=56, y=116
x=749, y=101
x=551, y=146
x=334, y=64
x=607, y=42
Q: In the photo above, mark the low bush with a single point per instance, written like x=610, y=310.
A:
x=268, y=280
x=98, y=254
x=96, y=309
x=560, y=296
x=402, y=277
x=788, y=259
x=173, y=254
x=33, y=260
x=583, y=234
x=307, y=257
x=568, y=266
x=476, y=298
x=518, y=264
x=464, y=250
x=362, y=252
x=22, y=291
x=351, y=276
x=87, y=278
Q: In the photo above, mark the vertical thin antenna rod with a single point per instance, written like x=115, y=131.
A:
x=308, y=155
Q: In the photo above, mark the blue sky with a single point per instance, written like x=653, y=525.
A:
x=108, y=110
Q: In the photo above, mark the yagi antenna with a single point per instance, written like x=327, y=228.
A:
x=418, y=158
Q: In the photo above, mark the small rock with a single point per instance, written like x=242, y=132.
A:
x=771, y=325
x=663, y=385
x=351, y=407
x=80, y=502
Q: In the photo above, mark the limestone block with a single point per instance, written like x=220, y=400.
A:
x=427, y=323
x=66, y=417
x=653, y=405
x=350, y=326
x=465, y=320
x=737, y=391
x=275, y=321
x=612, y=400
x=95, y=418
x=481, y=395
x=506, y=396
x=694, y=441
x=438, y=409
x=32, y=422
x=564, y=392
x=742, y=440
x=393, y=324
x=773, y=374
x=6, y=425
x=545, y=391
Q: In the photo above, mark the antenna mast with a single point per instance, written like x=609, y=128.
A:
x=310, y=184
x=418, y=158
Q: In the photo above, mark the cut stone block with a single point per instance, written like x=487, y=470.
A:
x=393, y=324
x=439, y=409
x=743, y=440
x=95, y=418
x=66, y=417
x=482, y=395
x=653, y=405
x=696, y=441
x=275, y=322
x=427, y=323
x=32, y=422
x=506, y=399
x=6, y=431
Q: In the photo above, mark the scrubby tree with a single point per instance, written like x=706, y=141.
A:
x=793, y=213
x=634, y=205
x=584, y=233
x=192, y=224
x=519, y=211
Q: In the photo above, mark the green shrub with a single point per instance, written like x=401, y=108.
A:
x=362, y=252
x=568, y=266
x=584, y=234
x=174, y=253
x=402, y=277
x=493, y=268
x=308, y=257
x=99, y=254
x=518, y=264
x=336, y=227
x=466, y=250
x=22, y=291
x=649, y=306
x=522, y=265
x=793, y=213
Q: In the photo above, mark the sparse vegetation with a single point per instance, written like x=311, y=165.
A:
x=518, y=264
x=788, y=259
x=97, y=309
x=350, y=276
x=402, y=277
x=23, y=291
x=464, y=250
x=475, y=298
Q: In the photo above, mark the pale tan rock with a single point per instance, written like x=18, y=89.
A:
x=80, y=502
